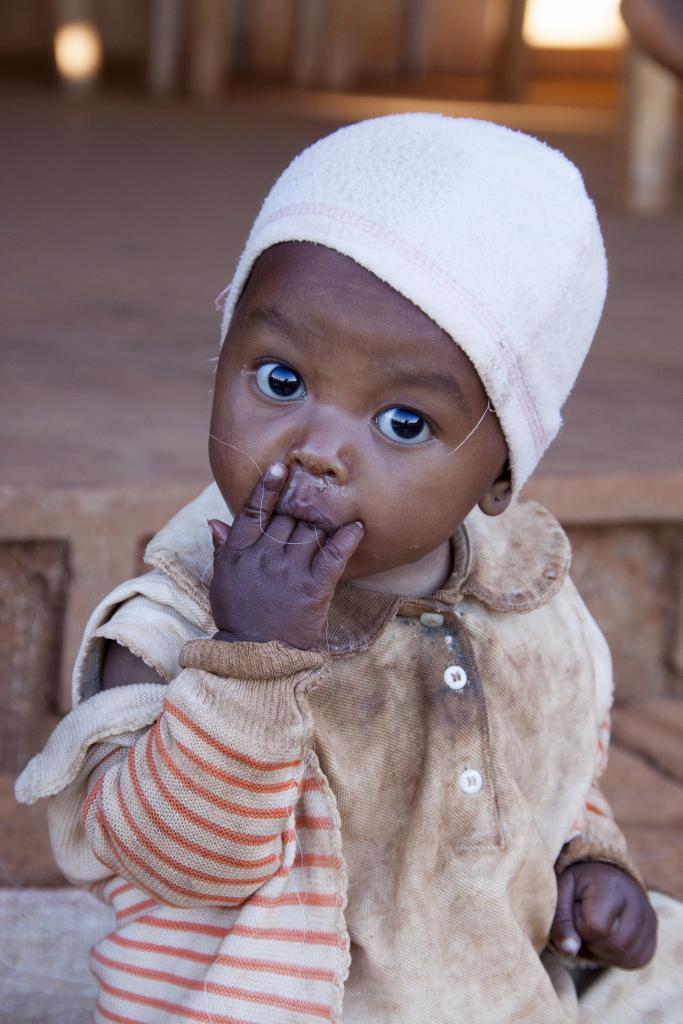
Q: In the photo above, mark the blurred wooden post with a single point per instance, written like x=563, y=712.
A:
x=413, y=45
x=209, y=47
x=511, y=70
x=340, y=49
x=652, y=135
x=270, y=27
x=308, y=23
x=166, y=19
x=324, y=51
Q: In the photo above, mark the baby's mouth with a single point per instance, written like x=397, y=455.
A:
x=299, y=502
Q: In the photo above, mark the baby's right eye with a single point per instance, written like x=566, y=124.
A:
x=280, y=382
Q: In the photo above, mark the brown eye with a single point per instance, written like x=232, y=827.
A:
x=280, y=382
x=403, y=425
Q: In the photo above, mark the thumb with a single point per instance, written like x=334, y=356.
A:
x=219, y=534
x=563, y=933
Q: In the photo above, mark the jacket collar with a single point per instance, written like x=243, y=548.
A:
x=512, y=563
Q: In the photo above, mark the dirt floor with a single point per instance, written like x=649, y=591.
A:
x=122, y=220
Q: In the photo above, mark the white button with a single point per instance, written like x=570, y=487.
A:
x=455, y=677
x=432, y=619
x=470, y=781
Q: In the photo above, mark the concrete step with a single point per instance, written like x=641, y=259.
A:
x=46, y=937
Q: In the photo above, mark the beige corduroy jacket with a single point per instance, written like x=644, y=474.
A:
x=379, y=820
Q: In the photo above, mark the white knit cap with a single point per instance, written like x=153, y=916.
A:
x=487, y=230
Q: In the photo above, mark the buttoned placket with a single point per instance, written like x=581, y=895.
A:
x=456, y=675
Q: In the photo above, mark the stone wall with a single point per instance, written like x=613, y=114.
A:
x=630, y=577
x=34, y=578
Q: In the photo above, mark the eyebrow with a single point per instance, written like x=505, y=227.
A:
x=433, y=380
x=271, y=316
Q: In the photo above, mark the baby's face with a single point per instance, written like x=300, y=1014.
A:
x=332, y=372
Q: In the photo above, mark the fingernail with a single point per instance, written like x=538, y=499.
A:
x=570, y=945
x=359, y=523
x=276, y=471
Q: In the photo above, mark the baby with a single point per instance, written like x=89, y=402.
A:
x=345, y=744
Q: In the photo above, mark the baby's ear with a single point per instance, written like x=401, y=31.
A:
x=499, y=494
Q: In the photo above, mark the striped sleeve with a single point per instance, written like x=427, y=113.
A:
x=198, y=808
x=594, y=834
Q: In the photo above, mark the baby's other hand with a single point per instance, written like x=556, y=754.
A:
x=602, y=913
x=274, y=576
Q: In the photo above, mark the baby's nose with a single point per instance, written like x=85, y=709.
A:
x=323, y=452
x=319, y=463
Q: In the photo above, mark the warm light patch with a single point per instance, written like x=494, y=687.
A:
x=78, y=51
x=573, y=23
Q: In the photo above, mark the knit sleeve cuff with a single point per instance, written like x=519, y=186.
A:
x=249, y=691
x=600, y=839
x=248, y=660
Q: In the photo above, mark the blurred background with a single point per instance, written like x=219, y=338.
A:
x=139, y=137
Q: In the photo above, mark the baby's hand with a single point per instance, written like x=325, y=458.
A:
x=602, y=913
x=274, y=576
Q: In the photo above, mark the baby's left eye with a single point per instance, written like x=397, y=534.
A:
x=280, y=382
x=403, y=425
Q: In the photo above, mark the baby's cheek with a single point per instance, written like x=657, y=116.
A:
x=389, y=542
x=424, y=523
